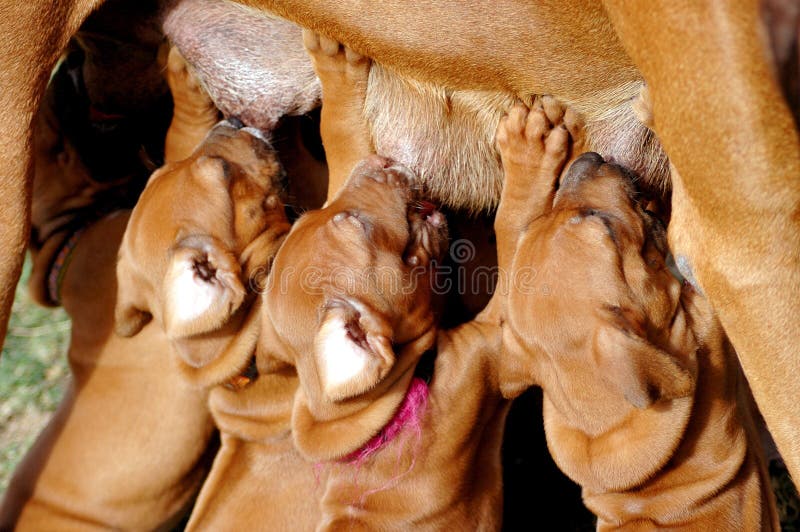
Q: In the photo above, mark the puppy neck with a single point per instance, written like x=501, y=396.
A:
x=259, y=410
x=337, y=438
x=349, y=428
x=409, y=414
x=227, y=351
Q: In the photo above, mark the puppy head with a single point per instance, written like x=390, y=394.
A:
x=197, y=230
x=599, y=291
x=358, y=274
x=62, y=188
x=69, y=189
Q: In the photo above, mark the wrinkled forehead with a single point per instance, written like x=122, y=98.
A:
x=606, y=189
x=356, y=226
x=584, y=243
x=246, y=148
x=342, y=250
x=240, y=148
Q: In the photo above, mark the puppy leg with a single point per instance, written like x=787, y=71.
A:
x=533, y=152
x=345, y=135
x=193, y=115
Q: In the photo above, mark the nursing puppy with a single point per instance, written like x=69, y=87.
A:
x=398, y=451
x=644, y=404
x=258, y=479
x=201, y=228
x=129, y=445
x=208, y=258
x=355, y=317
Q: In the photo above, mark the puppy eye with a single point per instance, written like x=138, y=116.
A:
x=603, y=217
x=352, y=223
x=226, y=169
x=349, y=217
x=583, y=214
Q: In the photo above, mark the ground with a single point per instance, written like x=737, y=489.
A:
x=33, y=375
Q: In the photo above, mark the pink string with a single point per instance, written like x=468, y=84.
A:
x=409, y=415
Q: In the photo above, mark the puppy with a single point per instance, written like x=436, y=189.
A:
x=398, y=450
x=644, y=404
x=355, y=318
x=258, y=479
x=195, y=269
x=131, y=442
x=201, y=228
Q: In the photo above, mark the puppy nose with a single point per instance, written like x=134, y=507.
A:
x=584, y=166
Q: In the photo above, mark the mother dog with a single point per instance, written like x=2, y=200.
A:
x=717, y=108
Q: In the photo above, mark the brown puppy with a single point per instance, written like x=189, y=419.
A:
x=213, y=255
x=258, y=479
x=595, y=55
x=128, y=447
x=382, y=435
x=201, y=228
x=644, y=404
x=356, y=326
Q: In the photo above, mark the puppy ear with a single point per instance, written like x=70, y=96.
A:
x=202, y=288
x=129, y=318
x=640, y=370
x=351, y=353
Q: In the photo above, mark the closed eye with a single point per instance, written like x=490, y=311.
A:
x=354, y=219
x=606, y=220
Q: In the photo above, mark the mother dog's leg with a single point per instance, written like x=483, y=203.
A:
x=34, y=34
x=736, y=207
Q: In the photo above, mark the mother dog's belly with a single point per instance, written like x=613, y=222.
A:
x=447, y=136
x=254, y=67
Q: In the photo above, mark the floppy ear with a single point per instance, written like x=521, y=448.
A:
x=129, y=318
x=202, y=288
x=642, y=372
x=351, y=352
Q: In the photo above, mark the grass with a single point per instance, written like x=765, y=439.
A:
x=33, y=375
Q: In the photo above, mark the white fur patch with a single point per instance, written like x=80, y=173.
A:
x=189, y=296
x=194, y=305
x=341, y=360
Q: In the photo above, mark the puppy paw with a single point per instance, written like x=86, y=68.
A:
x=334, y=62
x=193, y=115
x=344, y=75
x=530, y=145
x=187, y=93
x=559, y=115
x=533, y=149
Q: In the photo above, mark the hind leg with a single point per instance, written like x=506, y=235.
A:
x=193, y=115
x=344, y=131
